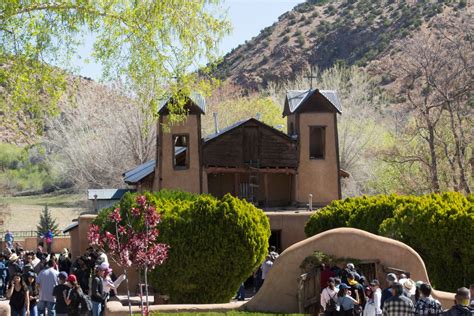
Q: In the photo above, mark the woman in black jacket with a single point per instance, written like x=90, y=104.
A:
x=97, y=291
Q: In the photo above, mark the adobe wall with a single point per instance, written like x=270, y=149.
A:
x=279, y=292
x=187, y=179
x=30, y=243
x=291, y=224
x=317, y=176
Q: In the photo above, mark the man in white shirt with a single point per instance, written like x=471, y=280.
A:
x=47, y=280
x=329, y=298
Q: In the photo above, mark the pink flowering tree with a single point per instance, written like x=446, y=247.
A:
x=132, y=239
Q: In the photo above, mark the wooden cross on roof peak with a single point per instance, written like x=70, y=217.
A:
x=311, y=77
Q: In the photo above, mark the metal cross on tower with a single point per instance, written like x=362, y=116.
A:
x=310, y=77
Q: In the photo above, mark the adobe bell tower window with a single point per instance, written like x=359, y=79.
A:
x=181, y=151
x=317, y=142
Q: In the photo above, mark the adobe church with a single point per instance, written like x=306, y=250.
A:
x=250, y=159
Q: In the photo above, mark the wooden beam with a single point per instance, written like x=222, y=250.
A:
x=245, y=170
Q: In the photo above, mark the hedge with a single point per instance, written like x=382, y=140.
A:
x=215, y=244
x=440, y=227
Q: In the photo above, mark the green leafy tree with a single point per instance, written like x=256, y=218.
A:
x=440, y=227
x=47, y=223
x=151, y=45
x=215, y=244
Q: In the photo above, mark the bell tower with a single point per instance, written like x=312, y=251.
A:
x=312, y=121
x=178, y=150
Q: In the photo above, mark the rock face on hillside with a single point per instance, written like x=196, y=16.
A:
x=322, y=33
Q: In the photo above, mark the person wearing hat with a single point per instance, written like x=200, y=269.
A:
x=426, y=305
x=387, y=293
x=59, y=292
x=461, y=307
x=77, y=302
x=110, y=285
x=409, y=289
x=33, y=292
x=14, y=264
x=398, y=304
x=345, y=301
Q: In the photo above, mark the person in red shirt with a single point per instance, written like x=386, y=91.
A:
x=326, y=273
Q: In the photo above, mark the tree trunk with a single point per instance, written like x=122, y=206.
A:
x=433, y=158
x=460, y=150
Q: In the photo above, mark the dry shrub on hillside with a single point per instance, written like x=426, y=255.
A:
x=98, y=136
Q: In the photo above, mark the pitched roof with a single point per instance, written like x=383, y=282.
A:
x=138, y=173
x=296, y=98
x=196, y=98
x=106, y=194
x=239, y=123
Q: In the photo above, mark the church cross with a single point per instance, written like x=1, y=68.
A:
x=310, y=77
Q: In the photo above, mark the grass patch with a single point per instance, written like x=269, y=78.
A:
x=53, y=200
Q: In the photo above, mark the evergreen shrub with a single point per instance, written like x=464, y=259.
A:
x=215, y=244
x=440, y=227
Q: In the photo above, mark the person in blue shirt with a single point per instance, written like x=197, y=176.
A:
x=9, y=239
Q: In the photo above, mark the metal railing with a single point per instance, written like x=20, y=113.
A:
x=20, y=234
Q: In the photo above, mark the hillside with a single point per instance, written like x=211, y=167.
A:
x=323, y=33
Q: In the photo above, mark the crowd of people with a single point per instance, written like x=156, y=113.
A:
x=41, y=283
x=346, y=292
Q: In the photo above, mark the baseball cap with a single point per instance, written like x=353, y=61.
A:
x=62, y=275
x=71, y=278
x=343, y=286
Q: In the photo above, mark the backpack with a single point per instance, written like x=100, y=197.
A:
x=331, y=306
x=86, y=304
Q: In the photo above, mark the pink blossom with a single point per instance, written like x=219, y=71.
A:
x=115, y=215
x=94, y=234
x=135, y=211
x=141, y=200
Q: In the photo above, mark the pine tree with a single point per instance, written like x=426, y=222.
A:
x=46, y=223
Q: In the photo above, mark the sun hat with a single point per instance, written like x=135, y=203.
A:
x=13, y=257
x=409, y=284
x=71, y=278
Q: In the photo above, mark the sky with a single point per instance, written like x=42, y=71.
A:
x=247, y=17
